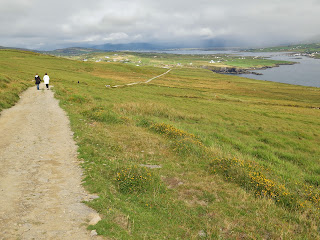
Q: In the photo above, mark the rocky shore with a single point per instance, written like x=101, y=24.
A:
x=235, y=70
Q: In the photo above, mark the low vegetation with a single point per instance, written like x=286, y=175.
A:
x=166, y=60
x=72, y=51
x=12, y=80
x=191, y=155
x=312, y=50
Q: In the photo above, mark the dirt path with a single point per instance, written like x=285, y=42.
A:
x=135, y=83
x=40, y=191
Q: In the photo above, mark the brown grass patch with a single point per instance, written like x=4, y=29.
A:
x=172, y=182
x=122, y=220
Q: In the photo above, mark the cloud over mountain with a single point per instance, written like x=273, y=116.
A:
x=54, y=23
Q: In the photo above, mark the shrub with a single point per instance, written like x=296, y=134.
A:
x=190, y=146
x=78, y=99
x=135, y=179
x=249, y=176
x=312, y=194
x=170, y=131
x=100, y=114
x=144, y=123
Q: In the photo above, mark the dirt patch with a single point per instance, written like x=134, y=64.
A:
x=40, y=180
x=172, y=182
x=122, y=221
x=191, y=197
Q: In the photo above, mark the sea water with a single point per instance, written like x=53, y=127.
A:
x=305, y=72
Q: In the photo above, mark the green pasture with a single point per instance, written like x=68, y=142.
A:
x=301, y=48
x=180, y=60
x=191, y=155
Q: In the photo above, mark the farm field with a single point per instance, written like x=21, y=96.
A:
x=154, y=59
x=191, y=155
x=312, y=50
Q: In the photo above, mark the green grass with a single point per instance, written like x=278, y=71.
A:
x=12, y=80
x=300, y=48
x=225, y=145
x=180, y=60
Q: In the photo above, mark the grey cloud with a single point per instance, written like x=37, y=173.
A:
x=53, y=23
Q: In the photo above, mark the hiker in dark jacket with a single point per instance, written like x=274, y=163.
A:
x=38, y=80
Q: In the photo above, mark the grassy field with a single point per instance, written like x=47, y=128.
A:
x=192, y=154
x=313, y=49
x=12, y=79
x=166, y=60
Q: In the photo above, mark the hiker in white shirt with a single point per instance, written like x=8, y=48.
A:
x=46, y=80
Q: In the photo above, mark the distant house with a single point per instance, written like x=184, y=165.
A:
x=212, y=61
x=85, y=60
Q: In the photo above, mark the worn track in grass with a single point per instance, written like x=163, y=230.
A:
x=135, y=83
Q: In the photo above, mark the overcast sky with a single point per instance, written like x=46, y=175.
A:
x=50, y=24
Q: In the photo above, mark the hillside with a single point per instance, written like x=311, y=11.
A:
x=129, y=46
x=216, y=62
x=71, y=51
x=192, y=154
x=312, y=49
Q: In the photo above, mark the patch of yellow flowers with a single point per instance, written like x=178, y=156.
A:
x=183, y=142
x=249, y=176
x=133, y=179
x=312, y=194
x=245, y=173
x=170, y=131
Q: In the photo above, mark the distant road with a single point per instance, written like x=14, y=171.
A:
x=149, y=80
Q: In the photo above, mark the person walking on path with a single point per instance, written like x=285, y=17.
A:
x=38, y=80
x=46, y=80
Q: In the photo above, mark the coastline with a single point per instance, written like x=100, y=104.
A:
x=238, y=70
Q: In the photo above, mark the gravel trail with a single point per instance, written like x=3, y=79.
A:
x=135, y=83
x=40, y=177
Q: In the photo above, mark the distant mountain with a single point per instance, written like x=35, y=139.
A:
x=209, y=43
x=312, y=49
x=22, y=49
x=314, y=39
x=129, y=46
x=71, y=51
